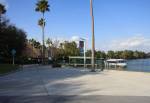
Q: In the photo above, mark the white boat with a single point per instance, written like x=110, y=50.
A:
x=116, y=62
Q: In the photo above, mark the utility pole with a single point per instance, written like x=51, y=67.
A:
x=93, y=37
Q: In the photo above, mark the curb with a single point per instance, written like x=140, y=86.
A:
x=30, y=66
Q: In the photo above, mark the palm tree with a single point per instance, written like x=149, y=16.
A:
x=42, y=6
x=49, y=43
x=2, y=11
x=41, y=22
x=93, y=37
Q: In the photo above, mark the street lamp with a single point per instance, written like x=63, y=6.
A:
x=93, y=37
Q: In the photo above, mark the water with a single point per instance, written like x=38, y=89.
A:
x=142, y=65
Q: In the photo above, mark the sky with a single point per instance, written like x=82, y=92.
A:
x=119, y=24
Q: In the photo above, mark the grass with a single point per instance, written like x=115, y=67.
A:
x=6, y=68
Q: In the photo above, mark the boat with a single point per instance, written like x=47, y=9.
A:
x=116, y=62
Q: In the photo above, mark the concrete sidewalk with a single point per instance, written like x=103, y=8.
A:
x=43, y=81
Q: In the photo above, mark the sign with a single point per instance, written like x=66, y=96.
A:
x=13, y=52
x=81, y=46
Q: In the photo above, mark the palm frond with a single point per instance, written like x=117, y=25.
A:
x=42, y=6
x=41, y=22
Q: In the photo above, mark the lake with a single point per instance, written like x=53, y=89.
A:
x=142, y=65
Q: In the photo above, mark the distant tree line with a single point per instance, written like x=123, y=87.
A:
x=55, y=49
x=60, y=50
x=126, y=54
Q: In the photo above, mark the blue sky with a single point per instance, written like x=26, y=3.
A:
x=119, y=24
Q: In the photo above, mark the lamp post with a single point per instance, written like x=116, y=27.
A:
x=93, y=37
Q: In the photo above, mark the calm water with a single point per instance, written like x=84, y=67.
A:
x=141, y=65
x=138, y=65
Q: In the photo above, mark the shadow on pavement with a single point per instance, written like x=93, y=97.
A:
x=74, y=99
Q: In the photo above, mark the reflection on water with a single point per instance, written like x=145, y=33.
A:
x=142, y=65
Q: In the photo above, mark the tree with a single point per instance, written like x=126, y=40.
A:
x=41, y=22
x=49, y=42
x=34, y=43
x=147, y=55
x=126, y=54
x=2, y=11
x=42, y=6
x=12, y=38
x=88, y=53
x=100, y=54
x=110, y=54
x=117, y=54
x=70, y=49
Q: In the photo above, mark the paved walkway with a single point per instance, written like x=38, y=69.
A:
x=46, y=85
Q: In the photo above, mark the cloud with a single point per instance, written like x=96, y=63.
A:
x=75, y=38
x=138, y=42
x=4, y=2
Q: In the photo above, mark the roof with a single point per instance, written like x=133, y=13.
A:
x=82, y=57
x=114, y=60
x=78, y=57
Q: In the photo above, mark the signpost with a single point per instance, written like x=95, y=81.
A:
x=82, y=46
x=13, y=52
